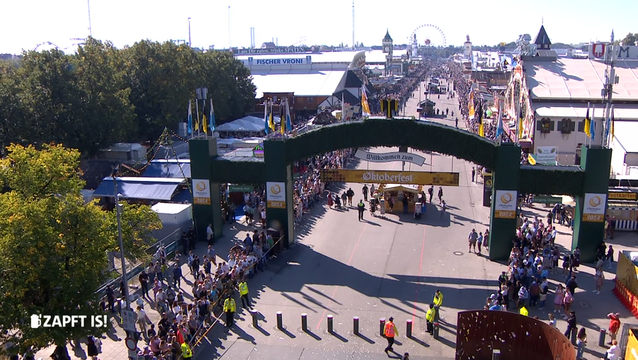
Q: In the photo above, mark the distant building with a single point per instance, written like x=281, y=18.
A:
x=551, y=94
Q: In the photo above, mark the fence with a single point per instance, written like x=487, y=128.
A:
x=197, y=341
x=480, y=332
x=170, y=245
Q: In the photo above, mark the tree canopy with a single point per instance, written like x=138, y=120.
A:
x=53, y=245
x=630, y=39
x=101, y=95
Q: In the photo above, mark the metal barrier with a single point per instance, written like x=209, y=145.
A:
x=210, y=327
x=170, y=245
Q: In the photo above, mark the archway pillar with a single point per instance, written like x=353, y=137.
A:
x=206, y=198
x=279, y=190
x=506, y=182
x=589, y=215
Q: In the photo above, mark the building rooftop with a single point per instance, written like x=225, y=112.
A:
x=302, y=83
x=387, y=36
x=542, y=38
x=578, y=79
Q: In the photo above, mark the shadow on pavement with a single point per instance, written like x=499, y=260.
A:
x=365, y=338
x=419, y=341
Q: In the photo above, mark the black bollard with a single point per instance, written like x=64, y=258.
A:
x=253, y=313
x=330, y=324
x=355, y=325
x=381, y=326
x=280, y=320
x=601, y=339
x=435, y=332
x=304, y=322
x=408, y=329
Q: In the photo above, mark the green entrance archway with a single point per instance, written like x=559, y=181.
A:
x=509, y=178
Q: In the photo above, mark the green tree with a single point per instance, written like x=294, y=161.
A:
x=630, y=39
x=229, y=83
x=105, y=112
x=48, y=98
x=53, y=246
x=11, y=114
x=162, y=80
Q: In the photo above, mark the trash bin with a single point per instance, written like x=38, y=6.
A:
x=382, y=206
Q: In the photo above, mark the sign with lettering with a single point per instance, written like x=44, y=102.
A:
x=505, y=204
x=201, y=192
x=390, y=157
x=259, y=61
x=604, y=51
x=390, y=177
x=276, y=50
x=276, y=195
x=623, y=196
x=546, y=155
x=594, y=206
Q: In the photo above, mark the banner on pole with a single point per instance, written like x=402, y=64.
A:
x=390, y=157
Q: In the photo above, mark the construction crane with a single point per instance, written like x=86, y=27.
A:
x=301, y=40
x=45, y=43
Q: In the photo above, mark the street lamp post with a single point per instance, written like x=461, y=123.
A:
x=189, y=32
x=118, y=208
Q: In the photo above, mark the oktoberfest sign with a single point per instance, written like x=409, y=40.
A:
x=594, y=206
x=201, y=192
x=390, y=177
x=390, y=157
x=276, y=195
x=505, y=204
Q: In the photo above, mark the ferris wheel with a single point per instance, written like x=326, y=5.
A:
x=428, y=35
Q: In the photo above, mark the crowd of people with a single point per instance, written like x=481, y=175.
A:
x=401, y=90
x=308, y=186
x=186, y=316
x=534, y=260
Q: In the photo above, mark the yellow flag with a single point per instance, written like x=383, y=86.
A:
x=530, y=159
x=481, y=130
x=197, y=124
x=204, y=127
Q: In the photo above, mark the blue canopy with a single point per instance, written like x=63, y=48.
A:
x=160, y=189
x=169, y=169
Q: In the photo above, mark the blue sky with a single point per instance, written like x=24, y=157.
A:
x=26, y=23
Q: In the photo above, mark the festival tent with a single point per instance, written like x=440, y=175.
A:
x=245, y=124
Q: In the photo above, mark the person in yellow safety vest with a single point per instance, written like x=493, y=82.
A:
x=390, y=331
x=187, y=353
x=438, y=301
x=229, y=309
x=429, y=318
x=523, y=311
x=243, y=292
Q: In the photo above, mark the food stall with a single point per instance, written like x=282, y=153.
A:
x=396, y=193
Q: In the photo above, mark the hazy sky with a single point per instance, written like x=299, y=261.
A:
x=24, y=24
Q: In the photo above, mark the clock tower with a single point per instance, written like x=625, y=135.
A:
x=387, y=49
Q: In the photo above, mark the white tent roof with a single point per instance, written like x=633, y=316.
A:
x=302, y=83
x=578, y=79
x=245, y=124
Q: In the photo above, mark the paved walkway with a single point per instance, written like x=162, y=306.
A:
x=382, y=267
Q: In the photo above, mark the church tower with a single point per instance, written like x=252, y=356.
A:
x=387, y=43
x=467, y=47
x=542, y=40
x=388, y=47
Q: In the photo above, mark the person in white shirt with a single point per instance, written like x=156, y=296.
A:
x=552, y=320
x=210, y=235
x=614, y=351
